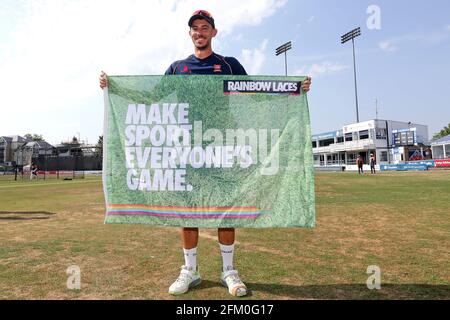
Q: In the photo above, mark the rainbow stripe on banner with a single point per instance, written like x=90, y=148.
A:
x=184, y=212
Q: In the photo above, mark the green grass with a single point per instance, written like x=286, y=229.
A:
x=397, y=221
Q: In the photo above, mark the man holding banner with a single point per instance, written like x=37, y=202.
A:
x=203, y=62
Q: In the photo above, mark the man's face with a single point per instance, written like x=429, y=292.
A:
x=201, y=34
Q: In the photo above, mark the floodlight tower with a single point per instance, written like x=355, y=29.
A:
x=282, y=49
x=346, y=37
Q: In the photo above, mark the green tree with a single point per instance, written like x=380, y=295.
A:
x=100, y=146
x=100, y=141
x=444, y=132
x=34, y=137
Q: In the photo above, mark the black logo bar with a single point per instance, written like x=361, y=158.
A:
x=262, y=86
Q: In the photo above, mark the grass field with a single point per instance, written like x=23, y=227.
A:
x=397, y=221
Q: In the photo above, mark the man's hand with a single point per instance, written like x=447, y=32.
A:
x=103, y=80
x=306, y=84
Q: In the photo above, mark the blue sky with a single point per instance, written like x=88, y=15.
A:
x=51, y=53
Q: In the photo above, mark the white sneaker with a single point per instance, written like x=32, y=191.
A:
x=230, y=279
x=187, y=279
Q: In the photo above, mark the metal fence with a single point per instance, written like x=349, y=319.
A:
x=69, y=163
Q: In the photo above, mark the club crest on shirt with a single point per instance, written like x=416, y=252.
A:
x=185, y=69
x=217, y=68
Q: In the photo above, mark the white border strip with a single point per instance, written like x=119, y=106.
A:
x=105, y=147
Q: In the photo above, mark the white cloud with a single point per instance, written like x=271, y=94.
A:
x=320, y=69
x=448, y=27
x=59, y=47
x=431, y=38
x=387, y=46
x=253, y=59
x=239, y=37
x=311, y=19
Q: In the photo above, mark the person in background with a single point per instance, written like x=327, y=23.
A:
x=33, y=171
x=373, y=162
x=360, y=163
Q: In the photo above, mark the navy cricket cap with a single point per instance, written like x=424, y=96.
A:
x=202, y=14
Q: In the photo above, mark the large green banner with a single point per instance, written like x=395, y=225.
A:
x=208, y=151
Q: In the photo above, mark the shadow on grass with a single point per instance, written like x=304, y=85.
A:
x=29, y=215
x=341, y=291
x=354, y=291
x=206, y=284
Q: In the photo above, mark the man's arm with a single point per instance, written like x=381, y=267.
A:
x=236, y=66
x=169, y=71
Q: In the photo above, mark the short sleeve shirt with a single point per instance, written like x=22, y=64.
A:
x=214, y=64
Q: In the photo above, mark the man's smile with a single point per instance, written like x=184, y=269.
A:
x=200, y=38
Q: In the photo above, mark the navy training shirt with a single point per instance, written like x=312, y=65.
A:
x=214, y=64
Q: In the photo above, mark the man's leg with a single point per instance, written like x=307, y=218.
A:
x=190, y=242
x=230, y=277
x=189, y=276
x=226, y=236
x=190, y=238
x=226, y=243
